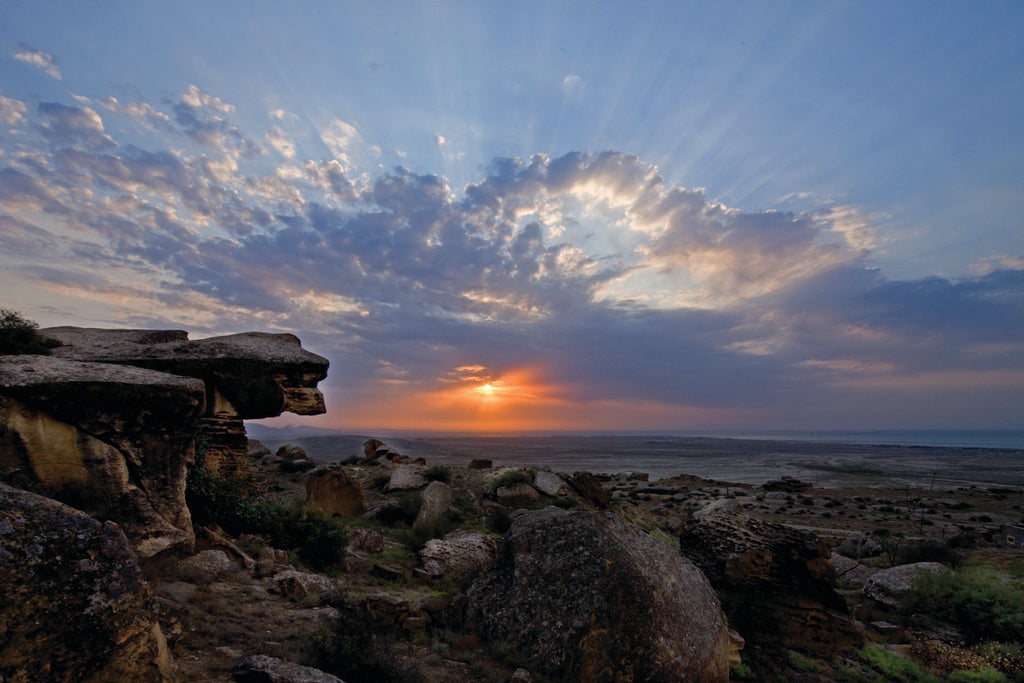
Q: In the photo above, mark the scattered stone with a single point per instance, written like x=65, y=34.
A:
x=582, y=596
x=208, y=538
x=888, y=585
x=405, y=478
x=366, y=540
x=480, y=464
x=435, y=502
x=265, y=669
x=884, y=627
x=459, y=555
x=850, y=572
x=858, y=547
x=334, y=493
x=788, y=485
x=291, y=452
x=389, y=572
x=722, y=504
x=208, y=565
x=370, y=447
x=517, y=495
x=549, y=483
x=298, y=585
x=255, y=449
x=588, y=486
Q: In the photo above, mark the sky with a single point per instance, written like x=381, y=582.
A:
x=540, y=215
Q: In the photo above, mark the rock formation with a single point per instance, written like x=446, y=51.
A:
x=776, y=582
x=112, y=441
x=582, y=596
x=888, y=585
x=109, y=423
x=75, y=606
x=247, y=376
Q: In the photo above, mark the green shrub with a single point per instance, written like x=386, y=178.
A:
x=980, y=601
x=930, y=550
x=235, y=506
x=894, y=668
x=986, y=675
x=18, y=335
x=438, y=473
x=499, y=521
x=511, y=478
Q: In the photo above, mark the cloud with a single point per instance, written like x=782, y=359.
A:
x=347, y=145
x=201, y=117
x=584, y=279
x=40, y=60
x=11, y=111
x=63, y=123
x=139, y=110
x=573, y=84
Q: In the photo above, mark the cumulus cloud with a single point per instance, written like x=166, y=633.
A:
x=40, y=60
x=347, y=144
x=588, y=270
x=139, y=110
x=63, y=123
x=201, y=117
x=11, y=111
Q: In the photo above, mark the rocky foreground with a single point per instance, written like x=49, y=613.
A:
x=141, y=539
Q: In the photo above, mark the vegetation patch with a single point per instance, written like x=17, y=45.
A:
x=981, y=602
x=19, y=335
x=320, y=542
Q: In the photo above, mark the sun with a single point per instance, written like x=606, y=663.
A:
x=489, y=390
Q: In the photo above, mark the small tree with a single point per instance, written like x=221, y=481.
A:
x=18, y=335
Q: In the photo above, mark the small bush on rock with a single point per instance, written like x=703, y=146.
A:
x=18, y=335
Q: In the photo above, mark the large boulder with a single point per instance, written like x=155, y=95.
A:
x=75, y=605
x=776, y=582
x=247, y=376
x=113, y=441
x=334, y=493
x=889, y=585
x=588, y=597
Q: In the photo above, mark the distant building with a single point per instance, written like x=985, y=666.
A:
x=1013, y=535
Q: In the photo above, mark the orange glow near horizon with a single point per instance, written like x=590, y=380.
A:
x=515, y=401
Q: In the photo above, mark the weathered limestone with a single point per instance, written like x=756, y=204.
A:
x=776, y=582
x=247, y=376
x=587, y=596
x=115, y=442
x=75, y=605
x=334, y=494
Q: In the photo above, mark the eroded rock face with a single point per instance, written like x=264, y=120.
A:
x=776, y=582
x=247, y=376
x=588, y=597
x=115, y=442
x=335, y=493
x=75, y=605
